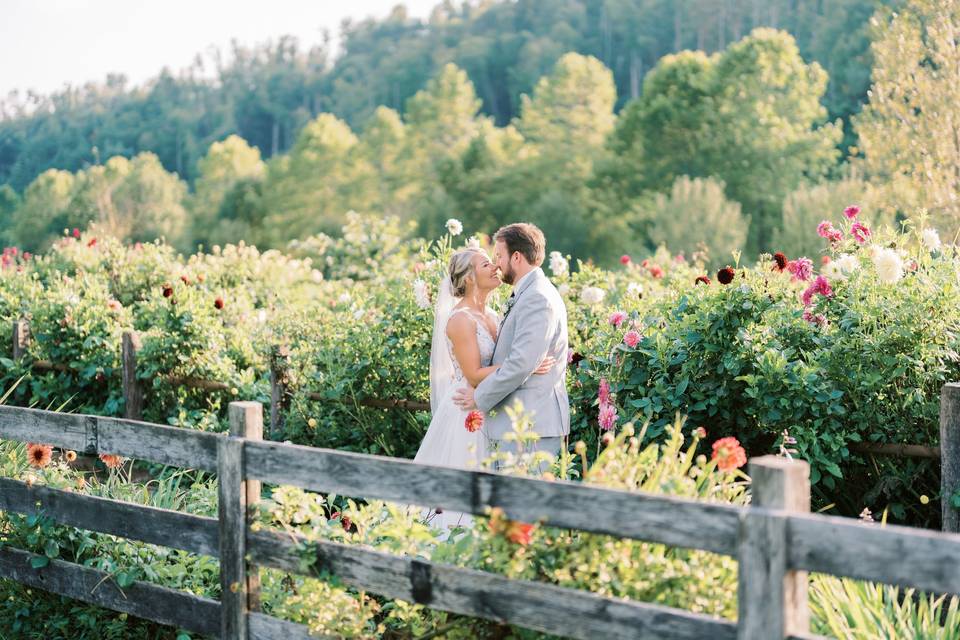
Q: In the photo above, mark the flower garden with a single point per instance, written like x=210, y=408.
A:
x=680, y=367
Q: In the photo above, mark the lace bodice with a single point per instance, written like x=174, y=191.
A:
x=485, y=340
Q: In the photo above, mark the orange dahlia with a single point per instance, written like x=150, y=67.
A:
x=39, y=455
x=729, y=454
x=112, y=461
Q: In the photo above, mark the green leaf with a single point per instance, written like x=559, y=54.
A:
x=125, y=579
x=38, y=562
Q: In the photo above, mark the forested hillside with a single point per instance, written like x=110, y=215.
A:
x=267, y=93
x=574, y=115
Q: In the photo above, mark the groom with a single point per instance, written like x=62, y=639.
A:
x=533, y=327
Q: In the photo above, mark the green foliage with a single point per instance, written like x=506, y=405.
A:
x=36, y=614
x=748, y=359
x=907, y=131
x=695, y=216
x=312, y=187
x=750, y=116
x=807, y=206
x=43, y=210
x=227, y=165
x=845, y=608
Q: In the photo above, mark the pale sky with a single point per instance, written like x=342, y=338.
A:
x=46, y=44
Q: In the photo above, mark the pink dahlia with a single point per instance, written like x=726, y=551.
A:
x=852, y=211
x=801, y=268
x=860, y=232
x=822, y=287
x=604, y=394
x=624, y=259
x=617, y=318
x=608, y=416
x=826, y=230
x=631, y=338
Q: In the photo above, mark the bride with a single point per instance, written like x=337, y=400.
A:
x=464, y=336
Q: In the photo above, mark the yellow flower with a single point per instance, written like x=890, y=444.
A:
x=312, y=423
x=924, y=500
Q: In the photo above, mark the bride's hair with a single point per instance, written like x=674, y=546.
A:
x=461, y=270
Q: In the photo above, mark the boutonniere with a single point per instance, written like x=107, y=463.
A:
x=510, y=302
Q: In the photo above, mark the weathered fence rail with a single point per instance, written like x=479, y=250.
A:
x=774, y=540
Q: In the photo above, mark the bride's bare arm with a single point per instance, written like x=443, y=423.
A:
x=462, y=332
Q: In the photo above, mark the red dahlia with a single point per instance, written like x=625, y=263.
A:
x=702, y=280
x=725, y=275
x=781, y=260
x=474, y=421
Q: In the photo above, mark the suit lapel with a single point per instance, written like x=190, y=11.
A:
x=536, y=274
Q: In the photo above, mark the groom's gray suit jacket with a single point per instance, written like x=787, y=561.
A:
x=534, y=327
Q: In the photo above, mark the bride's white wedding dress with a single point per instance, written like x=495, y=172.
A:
x=447, y=442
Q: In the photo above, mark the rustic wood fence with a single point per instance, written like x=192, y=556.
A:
x=775, y=540
x=948, y=452
x=133, y=385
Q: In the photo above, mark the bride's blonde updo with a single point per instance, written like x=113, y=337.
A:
x=461, y=270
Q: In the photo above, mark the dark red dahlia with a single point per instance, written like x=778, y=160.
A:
x=702, y=280
x=780, y=260
x=167, y=291
x=218, y=303
x=725, y=275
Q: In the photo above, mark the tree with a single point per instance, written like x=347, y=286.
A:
x=226, y=163
x=910, y=131
x=383, y=145
x=750, y=116
x=140, y=202
x=9, y=201
x=572, y=108
x=442, y=117
x=42, y=214
x=309, y=190
x=695, y=215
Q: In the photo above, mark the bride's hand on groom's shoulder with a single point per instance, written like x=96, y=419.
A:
x=464, y=399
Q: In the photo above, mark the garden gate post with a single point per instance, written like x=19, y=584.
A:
x=132, y=393
x=950, y=455
x=772, y=600
x=246, y=421
x=21, y=336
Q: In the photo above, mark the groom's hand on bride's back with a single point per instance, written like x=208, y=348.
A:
x=464, y=399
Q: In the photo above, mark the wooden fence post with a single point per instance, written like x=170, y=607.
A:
x=279, y=368
x=132, y=393
x=772, y=601
x=233, y=579
x=950, y=454
x=21, y=336
x=246, y=421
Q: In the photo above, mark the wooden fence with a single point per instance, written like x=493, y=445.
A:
x=133, y=385
x=775, y=540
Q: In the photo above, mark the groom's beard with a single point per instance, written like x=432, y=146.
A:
x=506, y=275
